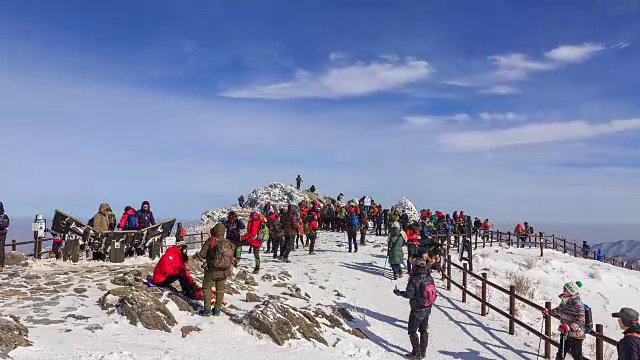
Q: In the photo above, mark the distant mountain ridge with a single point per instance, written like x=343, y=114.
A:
x=622, y=249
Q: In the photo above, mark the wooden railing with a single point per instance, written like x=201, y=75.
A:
x=510, y=313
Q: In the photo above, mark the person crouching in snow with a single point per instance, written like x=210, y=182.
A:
x=421, y=292
x=172, y=267
x=571, y=313
x=395, y=249
x=253, y=229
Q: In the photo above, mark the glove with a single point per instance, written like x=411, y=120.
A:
x=545, y=312
x=396, y=291
x=564, y=328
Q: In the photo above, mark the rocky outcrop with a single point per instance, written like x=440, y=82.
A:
x=139, y=307
x=15, y=258
x=186, y=330
x=408, y=206
x=12, y=335
x=283, y=322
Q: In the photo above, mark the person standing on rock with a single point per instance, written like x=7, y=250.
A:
x=241, y=201
x=289, y=230
x=4, y=229
x=233, y=225
x=298, y=182
x=395, y=252
x=219, y=261
x=421, y=292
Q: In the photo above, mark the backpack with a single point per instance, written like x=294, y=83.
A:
x=90, y=222
x=263, y=235
x=354, y=223
x=588, y=319
x=430, y=294
x=223, y=258
x=132, y=222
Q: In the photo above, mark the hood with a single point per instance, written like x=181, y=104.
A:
x=145, y=203
x=1, y=208
x=218, y=231
x=103, y=207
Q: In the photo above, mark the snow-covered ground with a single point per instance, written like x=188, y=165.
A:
x=46, y=293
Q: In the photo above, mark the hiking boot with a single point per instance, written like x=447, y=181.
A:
x=287, y=260
x=280, y=258
x=256, y=270
x=415, y=344
x=424, y=342
x=215, y=312
x=312, y=253
x=205, y=312
x=395, y=276
x=350, y=250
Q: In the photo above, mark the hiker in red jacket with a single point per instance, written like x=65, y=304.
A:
x=413, y=242
x=129, y=219
x=313, y=233
x=172, y=267
x=253, y=230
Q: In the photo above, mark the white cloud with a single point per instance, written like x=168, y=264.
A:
x=500, y=90
x=336, y=55
x=509, y=116
x=574, y=53
x=345, y=81
x=423, y=121
x=535, y=134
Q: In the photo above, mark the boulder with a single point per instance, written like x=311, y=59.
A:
x=186, y=330
x=268, y=277
x=183, y=302
x=139, y=307
x=129, y=278
x=283, y=322
x=12, y=335
x=410, y=209
x=14, y=258
x=251, y=297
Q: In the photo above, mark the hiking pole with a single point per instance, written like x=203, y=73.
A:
x=540, y=340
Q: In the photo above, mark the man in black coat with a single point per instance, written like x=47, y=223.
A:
x=629, y=345
x=421, y=292
x=4, y=228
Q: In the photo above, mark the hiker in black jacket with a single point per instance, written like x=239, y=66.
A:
x=629, y=345
x=4, y=228
x=421, y=292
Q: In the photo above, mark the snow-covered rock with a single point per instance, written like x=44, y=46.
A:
x=408, y=206
x=12, y=335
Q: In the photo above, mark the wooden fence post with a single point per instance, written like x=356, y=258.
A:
x=464, y=283
x=13, y=245
x=448, y=272
x=564, y=246
x=575, y=249
x=541, y=245
x=499, y=235
x=595, y=255
x=490, y=238
x=512, y=309
x=509, y=241
x=483, y=308
x=483, y=241
x=599, y=343
x=547, y=331
x=553, y=240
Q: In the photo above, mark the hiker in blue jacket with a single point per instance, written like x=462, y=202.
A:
x=600, y=254
x=353, y=227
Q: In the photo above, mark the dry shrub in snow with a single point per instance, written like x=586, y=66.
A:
x=524, y=285
x=595, y=274
x=531, y=263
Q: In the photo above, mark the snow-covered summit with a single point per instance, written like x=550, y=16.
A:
x=408, y=206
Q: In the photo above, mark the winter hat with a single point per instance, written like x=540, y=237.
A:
x=573, y=287
x=628, y=316
x=420, y=263
x=1, y=208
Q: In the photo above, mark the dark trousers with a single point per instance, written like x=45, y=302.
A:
x=419, y=321
x=379, y=229
x=397, y=269
x=275, y=242
x=352, y=236
x=286, y=246
x=412, y=249
x=256, y=255
x=187, y=287
x=312, y=243
x=571, y=346
x=3, y=239
x=298, y=185
x=363, y=236
x=299, y=239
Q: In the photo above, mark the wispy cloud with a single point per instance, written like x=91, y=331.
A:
x=427, y=121
x=500, y=90
x=510, y=116
x=574, y=53
x=535, y=133
x=342, y=81
x=337, y=55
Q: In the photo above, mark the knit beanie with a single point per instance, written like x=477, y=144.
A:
x=573, y=287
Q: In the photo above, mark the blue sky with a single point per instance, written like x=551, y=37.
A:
x=512, y=110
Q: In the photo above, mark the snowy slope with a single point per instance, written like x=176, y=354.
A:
x=457, y=330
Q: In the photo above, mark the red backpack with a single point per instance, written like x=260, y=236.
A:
x=430, y=294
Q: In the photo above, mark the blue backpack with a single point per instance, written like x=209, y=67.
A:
x=355, y=225
x=588, y=319
x=132, y=222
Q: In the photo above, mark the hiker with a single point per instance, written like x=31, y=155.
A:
x=520, y=234
x=172, y=267
x=600, y=256
x=289, y=231
x=219, y=261
x=300, y=233
x=100, y=220
x=339, y=198
x=395, y=249
x=268, y=209
x=585, y=249
x=312, y=189
x=181, y=232
x=629, y=345
x=4, y=229
x=421, y=292
x=241, y=201
x=571, y=313
x=253, y=229
x=129, y=219
x=404, y=220
x=145, y=216
x=353, y=226
x=312, y=234
x=364, y=227
x=298, y=182
x=233, y=225
x=275, y=234
x=327, y=218
x=413, y=242
x=112, y=220
x=379, y=219
x=477, y=224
